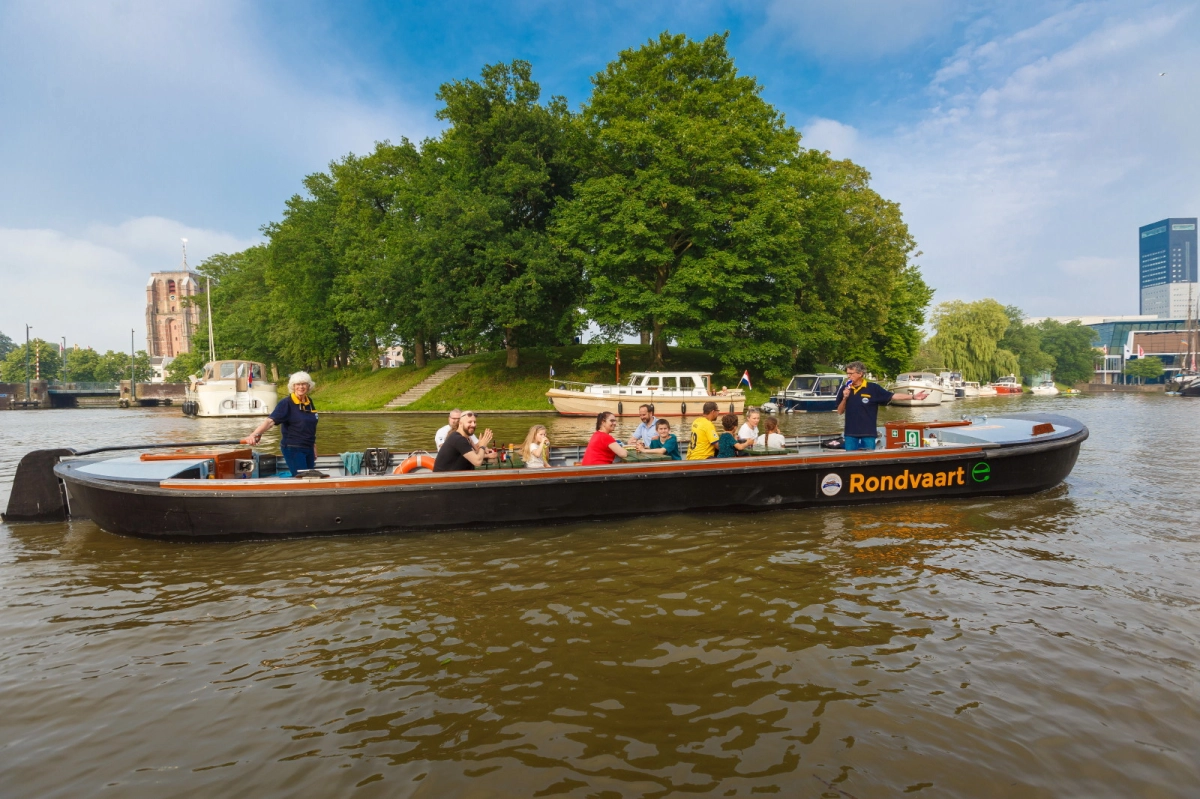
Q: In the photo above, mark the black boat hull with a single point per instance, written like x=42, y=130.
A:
x=232, y=509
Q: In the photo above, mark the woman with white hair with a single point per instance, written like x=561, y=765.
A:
x=297, y=419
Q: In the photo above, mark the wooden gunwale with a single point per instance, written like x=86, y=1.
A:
x=502, y=475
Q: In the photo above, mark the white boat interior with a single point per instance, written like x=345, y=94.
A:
x=230, y=388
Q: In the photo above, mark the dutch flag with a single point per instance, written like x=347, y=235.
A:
x=746, y=379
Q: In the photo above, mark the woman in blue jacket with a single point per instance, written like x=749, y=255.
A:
x=297, y=419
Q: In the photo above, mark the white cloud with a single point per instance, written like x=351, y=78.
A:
x=90, y=286
x=1042, y=154
x=839, y=139
x=863, y=28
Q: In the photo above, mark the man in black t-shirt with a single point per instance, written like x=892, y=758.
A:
x=458, y=454
x=860, y=405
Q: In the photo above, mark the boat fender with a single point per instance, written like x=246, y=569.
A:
x=683, y=409
x=414, y=462
x=731, y=407
x=620, y=408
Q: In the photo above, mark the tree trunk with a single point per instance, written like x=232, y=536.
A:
x=658, y=347
x=513, y=354
x=645, y=337
x=375, y=350
x=419, y=353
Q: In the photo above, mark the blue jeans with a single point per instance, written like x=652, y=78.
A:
x=299, y=458
x=859, y=442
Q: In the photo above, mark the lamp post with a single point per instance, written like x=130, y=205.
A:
x=27, y=327
x=132, y=385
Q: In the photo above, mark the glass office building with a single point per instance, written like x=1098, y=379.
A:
x=1167, y=268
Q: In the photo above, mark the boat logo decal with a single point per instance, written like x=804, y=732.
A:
x=831, y=485
x=981, y=472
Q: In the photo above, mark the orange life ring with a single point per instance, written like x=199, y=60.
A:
x=414, y=462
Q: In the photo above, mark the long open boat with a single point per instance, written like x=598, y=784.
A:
x=177, y=496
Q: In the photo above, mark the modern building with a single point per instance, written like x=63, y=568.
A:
x=1167, y=268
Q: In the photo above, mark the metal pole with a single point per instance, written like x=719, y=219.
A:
x=212, y=349
x=132, y=385
x=27, y=364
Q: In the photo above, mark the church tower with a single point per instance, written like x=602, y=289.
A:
x=170, y=323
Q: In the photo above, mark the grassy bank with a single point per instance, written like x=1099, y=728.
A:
x=489, y=386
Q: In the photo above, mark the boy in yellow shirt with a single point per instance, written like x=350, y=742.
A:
x=704, y=435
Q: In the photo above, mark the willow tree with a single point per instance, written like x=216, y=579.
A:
x=684, y=224
x=968, y=335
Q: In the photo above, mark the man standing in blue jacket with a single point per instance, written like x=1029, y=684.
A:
x=860, y=405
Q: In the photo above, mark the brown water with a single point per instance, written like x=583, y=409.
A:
x=1036, y=646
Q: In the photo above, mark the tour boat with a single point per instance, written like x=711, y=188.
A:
x=1008, y=385
x=229, y=388
x=917, y=388
x=205, y=492
x=809, y=394
x=669, y=393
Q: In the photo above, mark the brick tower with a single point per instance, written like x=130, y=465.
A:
x=169, y=323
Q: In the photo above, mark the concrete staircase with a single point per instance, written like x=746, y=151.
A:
x=428, y=384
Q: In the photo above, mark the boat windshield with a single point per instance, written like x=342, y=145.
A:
x=828, y=385
x=802, y=383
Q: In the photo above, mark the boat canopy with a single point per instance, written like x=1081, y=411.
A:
x=231, y=370
x=823, y=385
x=913, y=377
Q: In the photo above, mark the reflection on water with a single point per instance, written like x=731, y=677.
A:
x=1034, y=646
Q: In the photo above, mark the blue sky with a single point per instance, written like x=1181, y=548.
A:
x=1025, y=142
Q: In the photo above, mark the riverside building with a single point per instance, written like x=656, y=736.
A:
x=1167, y=268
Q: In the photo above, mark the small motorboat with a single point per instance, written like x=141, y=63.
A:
x=1008, y=385
x=951, y=382
x=917, y=389
x=668, y=393
x=969, y=389
x=812, y=393
x=1190, y=387
x=229, y=388
x=218, y=490
x=1045, y=388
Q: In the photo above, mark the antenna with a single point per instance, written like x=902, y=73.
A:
x=185, y=267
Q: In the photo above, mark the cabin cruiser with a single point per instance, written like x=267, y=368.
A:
x=918, y=389
x=1045, y=387
x=808, y=394
x=951, y=381
x=668, y=393
x=1008, y=385
x=969, y=389
x=229, y=388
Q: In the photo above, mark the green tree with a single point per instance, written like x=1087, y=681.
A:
x=81, y=366
x=184, y=366
x=44, y=361
x=114, y=366
x=506, y=161
x=683, y=221
x=1144, y=369
x=1072, y=347
x=967, y=337
x=1025, y=341
x=6, y=346
x=242, y=309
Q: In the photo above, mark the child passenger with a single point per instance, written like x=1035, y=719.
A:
x=727, y=444
x=666, y=441
x=536, y=449
x=771, y=439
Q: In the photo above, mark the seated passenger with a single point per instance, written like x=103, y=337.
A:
x=439, y=437
x=458, y=453
x=666, y=441
x=704, y=435
x=727, y=444
x=645, y=432
x=603, y=448
x=771, y=438
x=749, y=430
x=536, y=449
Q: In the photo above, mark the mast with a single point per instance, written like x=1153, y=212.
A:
x=212, y=349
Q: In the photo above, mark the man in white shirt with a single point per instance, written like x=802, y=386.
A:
x=645, y=432
x=439, y=437
x=749, y=429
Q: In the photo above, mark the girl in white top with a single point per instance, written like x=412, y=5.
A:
x=536, y=449
x=771, y=439
x=749, y=429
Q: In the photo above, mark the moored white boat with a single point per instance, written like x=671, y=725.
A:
x=968, y=390
x=1008, y=385
x=1046, y=388
x=809, y=393
x=917, y=389
x=229, y=388
x=669, y=393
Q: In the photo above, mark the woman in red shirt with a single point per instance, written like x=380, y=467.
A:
x=603, y=448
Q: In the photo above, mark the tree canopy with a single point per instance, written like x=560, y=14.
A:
x=44, y=362
x=1145, y=368
x=968, y=336
x=6, y=346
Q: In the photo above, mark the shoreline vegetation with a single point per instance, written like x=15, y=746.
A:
x=489, y=385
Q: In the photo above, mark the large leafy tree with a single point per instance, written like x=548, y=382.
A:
x=114, y=366
x=44, y=362
x=1145, y=369
x=1071, y=346
x=1025, y=341
x=967, y=338
x=242, y=307
x=503, y=165
x=6, y=346
x=81, y=366
x=682, y=220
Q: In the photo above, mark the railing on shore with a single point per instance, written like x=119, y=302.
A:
x=84, y=386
